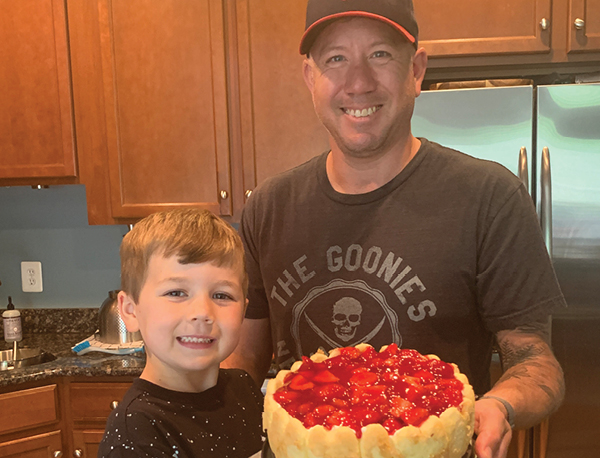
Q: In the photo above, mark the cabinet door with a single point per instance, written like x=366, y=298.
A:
x=165, y=126
x=36, y=127
x=279, y=127
x=48, y=445
x=473, y=27
x=584, y=26
x=86, y=443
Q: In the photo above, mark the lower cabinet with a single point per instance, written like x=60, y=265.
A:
x=90, y=406
x=86, y=442
x=62, y=418
x=47, y=445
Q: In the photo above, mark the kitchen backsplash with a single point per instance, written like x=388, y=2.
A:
x=58, y=321
x=80, y=263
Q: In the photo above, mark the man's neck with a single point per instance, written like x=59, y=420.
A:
x=352, y=175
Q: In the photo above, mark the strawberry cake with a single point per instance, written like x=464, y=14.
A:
x=357, y=402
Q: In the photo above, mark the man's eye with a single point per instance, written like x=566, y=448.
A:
x=335, y=59
x=381, y=54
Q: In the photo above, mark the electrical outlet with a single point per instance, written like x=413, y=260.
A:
x=31, y=276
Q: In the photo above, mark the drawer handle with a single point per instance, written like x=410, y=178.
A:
x=78, y=453
x=544, y=24
x=57, y=454
x=579, y=24
x=114, y=405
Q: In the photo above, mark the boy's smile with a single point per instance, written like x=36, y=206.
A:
x=189, y=316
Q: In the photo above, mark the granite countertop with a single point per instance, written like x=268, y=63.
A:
x=68, y=363
x=58, y=340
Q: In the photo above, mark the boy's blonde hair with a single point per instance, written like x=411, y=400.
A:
x=194, y=236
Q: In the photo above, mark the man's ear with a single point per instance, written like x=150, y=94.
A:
x=308, y=72
x=127, y=309
x=419, y=68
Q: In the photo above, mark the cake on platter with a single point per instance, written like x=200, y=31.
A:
x=357, y=402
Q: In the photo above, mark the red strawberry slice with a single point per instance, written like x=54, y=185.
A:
x=414, y=416
x=415, y=393
x=392, y=425
x=339, y=418
x=324, y=409
x=364, y=378
x=285, y=397
x=330, y=391
x=339, y=402
x=325, y=377
x=425, y=376
x=399, y=406
x=300, y=383
x=367, y=416
x=441, y=369
x=306, y=407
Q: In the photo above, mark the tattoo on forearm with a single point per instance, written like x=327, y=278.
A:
x=512, y=354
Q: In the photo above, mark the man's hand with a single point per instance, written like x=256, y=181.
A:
x=492, y=430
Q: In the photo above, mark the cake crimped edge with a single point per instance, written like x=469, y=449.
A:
x=446, y=436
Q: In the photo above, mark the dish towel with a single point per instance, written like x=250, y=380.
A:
x=92, y=343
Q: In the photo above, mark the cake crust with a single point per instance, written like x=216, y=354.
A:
x=445, y=436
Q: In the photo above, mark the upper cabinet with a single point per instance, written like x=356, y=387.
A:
x=149, y=80
x=475, y=27
x=36, y=122
x=471, y=38
x=279, y=128
x=196, y=102
x=584, y=26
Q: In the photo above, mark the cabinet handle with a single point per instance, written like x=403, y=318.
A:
x=78, y=453
x=579, y=23
x=248, y=193
x=224, y=194
x=57, y=454
x=544, y=24
x=114, y=405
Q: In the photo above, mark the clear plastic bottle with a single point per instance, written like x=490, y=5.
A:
x=12, y=323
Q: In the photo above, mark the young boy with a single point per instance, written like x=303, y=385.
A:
x=184, y=288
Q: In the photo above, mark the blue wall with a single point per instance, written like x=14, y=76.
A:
x=80, y=263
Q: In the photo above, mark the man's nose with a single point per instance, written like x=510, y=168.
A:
x=360, y=78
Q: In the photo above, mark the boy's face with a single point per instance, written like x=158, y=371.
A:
x=190, y=317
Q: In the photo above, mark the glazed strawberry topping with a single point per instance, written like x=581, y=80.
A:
x=394, y=387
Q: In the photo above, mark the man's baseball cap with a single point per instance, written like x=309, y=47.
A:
x=397, y=13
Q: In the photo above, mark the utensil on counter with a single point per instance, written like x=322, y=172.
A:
x=111, y=327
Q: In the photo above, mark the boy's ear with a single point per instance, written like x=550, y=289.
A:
x=127, y=309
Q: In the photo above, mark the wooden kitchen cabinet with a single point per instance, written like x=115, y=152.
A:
x=36, y=118
x=66, y=416
x=149, y=82
x=470, y=38
x=30, y=424
x=90, y=404
x=47, y=445
x=278, y=126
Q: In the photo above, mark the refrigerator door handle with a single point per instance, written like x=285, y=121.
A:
x=523, y=170
x=546, y=200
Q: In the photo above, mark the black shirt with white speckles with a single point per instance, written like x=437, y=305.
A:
x=151, y=421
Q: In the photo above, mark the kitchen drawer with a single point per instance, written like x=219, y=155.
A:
x=94, y=401
x=28, y=408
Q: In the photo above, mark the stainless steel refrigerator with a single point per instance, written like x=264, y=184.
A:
x=550, y=137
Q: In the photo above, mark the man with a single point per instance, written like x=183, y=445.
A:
x=442, y=252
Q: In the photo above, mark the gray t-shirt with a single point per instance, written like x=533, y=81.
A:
x=438, y=259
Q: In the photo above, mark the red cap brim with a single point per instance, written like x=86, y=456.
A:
x=306, y=41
